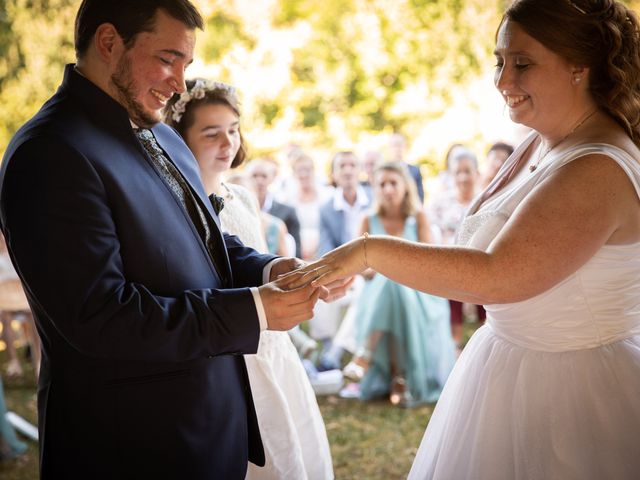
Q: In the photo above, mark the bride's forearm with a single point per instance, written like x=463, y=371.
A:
x=458, y=273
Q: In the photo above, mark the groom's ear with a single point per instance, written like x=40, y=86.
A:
x=108, y=43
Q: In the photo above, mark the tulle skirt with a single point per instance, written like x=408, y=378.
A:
x=511, y=413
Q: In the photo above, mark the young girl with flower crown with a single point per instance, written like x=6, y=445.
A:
x=207, y=115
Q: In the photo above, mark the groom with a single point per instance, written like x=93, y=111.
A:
x=143, y=306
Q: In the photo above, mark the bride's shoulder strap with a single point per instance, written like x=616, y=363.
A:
x=629, y=164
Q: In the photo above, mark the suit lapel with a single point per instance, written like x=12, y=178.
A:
x=188, y=167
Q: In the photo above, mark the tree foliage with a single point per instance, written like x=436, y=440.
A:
x=324, y=73
x=352, y=66
x=36, y=39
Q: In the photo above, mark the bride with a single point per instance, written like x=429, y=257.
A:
x=549, y=388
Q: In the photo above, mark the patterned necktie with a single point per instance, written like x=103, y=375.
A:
x=176, y=182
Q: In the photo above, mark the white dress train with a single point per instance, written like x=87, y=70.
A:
x=549, y=388
x=293, y=433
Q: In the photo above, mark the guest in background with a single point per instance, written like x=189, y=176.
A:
x=262, y=172
x=448, y=212
x=306, y=195
x=404, y=340
x=274, y=230
x=496, y=156
x=10, y=446
x=14, y=306
x=340, y=220
x=397, y=151
x=442, y=183
x=207, y=116
x=275, y=234
x=370, y=160
x=340, y=215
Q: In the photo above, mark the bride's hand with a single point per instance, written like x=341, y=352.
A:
x=335, y=266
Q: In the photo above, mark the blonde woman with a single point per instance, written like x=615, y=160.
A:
x=405, y=345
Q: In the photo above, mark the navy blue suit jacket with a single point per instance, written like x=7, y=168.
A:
x=142, y=373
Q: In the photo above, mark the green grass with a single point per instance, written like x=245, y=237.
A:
x=372, y=440
x=20, y=397
x=369, y=440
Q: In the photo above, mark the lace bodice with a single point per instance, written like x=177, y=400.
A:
x=240, y=216
x=597, y=304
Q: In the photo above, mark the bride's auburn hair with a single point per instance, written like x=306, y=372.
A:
x=603, y=35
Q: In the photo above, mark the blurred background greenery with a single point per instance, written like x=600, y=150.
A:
x=328, y=75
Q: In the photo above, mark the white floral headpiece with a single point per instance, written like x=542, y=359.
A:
x=197, y=91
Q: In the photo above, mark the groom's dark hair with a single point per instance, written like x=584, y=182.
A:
x=129, y=17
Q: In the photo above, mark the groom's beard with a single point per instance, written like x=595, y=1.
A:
x=126, y=90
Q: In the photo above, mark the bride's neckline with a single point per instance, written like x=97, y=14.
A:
x=516, y=171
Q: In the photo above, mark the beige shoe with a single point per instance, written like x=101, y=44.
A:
x=400, y=395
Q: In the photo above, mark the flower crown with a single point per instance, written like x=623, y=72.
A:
x=200, y=87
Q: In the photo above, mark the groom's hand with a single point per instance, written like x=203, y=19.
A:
x=284, y=307
x=284, y=265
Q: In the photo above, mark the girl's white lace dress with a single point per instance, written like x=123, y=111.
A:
x=549, y=388
x=291, y=426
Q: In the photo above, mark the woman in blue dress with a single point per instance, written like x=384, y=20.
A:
x=405, y=344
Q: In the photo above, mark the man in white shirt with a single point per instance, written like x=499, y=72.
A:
x=340, y=220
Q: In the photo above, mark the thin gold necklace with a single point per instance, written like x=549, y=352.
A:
x=542, y=154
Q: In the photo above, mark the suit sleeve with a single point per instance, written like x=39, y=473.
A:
x=246, y=264
x=64, y=242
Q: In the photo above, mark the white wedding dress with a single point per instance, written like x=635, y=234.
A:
x=291, y=426
x=549, y=388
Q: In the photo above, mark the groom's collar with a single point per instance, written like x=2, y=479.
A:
x=97, y=104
